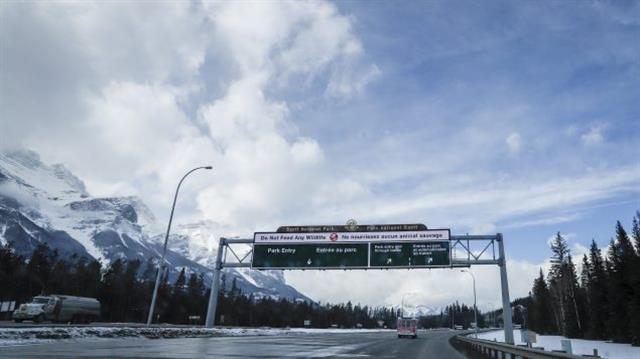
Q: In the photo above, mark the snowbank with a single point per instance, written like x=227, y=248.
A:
x=580, y=346
x=15, y=336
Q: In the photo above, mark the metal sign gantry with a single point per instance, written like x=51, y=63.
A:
x=466, y=251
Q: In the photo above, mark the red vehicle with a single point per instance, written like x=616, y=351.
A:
x=407, y=327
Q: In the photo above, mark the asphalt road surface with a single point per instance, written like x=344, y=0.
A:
x=429, y=344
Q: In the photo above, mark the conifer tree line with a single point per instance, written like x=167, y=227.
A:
x=124, y=290
x=601, y=302
x=452, y=315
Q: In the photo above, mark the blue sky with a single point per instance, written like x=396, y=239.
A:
x=553, y=72
x=513, y=117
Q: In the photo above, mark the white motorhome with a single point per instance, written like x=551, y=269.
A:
x=407, y=327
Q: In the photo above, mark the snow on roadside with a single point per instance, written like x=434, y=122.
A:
x=580, y=346
x=38, y=335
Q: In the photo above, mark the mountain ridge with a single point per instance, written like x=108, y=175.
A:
x=49, y=204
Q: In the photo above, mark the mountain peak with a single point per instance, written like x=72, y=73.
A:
x=25, y=168
x=25, y=157
x=62, y=173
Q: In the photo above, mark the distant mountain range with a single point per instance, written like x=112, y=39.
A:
x=48, y=204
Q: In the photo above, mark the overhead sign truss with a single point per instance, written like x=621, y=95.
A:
x=465, y=250
x=469, y=250
x=361, y=247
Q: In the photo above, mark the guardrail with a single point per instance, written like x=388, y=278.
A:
x=500, y=350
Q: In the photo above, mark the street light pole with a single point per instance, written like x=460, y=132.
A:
x=475, y=308
x=164, y=248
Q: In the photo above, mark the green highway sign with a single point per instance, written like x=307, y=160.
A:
x=409, y=255
x=312, y=256
x=339, y=247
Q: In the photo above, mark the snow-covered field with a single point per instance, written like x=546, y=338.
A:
x=21, y=336
x=579, y=346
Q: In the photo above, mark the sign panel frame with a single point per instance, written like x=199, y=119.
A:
x=447, y=243
x=296, y=240
x=357, y=253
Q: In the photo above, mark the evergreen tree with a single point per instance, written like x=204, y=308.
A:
x=13, y=284
x=541, y=307
x=176, y=311
x=180, y=284
x=135, y=300
x=582, y=296
x=196, y=295
x=91, y=279
x=38, y=270
x=596, y=294
x=573, y=327
x=195, y=285
x=622, y=257
x=556, y=278
x=634, y=302
x=584, y=274
x=164, y=295
x=235, y=291
x=111, y=293
x=59, y=278
x=563, y=284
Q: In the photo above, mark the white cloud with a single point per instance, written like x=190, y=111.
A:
x=543, y=221
x=288, y=39
x=145, y=114
x=481, y=207
x=9, y=189
x=577, y=251
x=514, y=143
x=269, y=173
x=484, y=228
x=346, y=83
x=306, y=151
x=593, y=136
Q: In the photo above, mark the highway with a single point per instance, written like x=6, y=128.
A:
x=429, y=344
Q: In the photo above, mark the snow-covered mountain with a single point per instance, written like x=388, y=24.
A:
x=48, y=204
x=423, y=311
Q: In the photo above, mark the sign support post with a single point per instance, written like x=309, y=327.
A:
x=506, y=302
x=215, y=286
